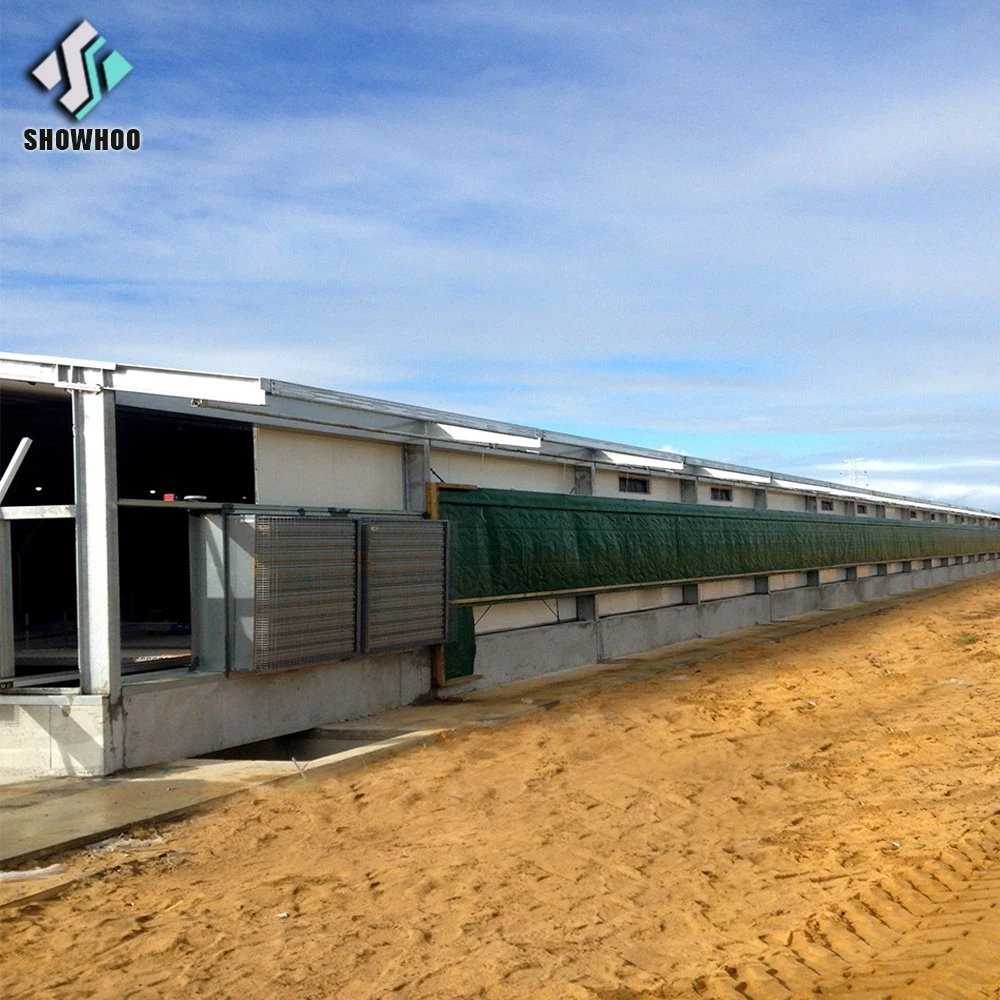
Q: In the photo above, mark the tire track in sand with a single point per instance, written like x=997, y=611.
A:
x=929, y=932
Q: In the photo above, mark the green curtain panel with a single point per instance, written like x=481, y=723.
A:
x=507, y=542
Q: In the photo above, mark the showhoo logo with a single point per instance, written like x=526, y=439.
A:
x=79, y=69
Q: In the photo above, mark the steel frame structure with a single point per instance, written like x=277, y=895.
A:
x=95, y=387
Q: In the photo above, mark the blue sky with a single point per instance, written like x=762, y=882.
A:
x=759, y=232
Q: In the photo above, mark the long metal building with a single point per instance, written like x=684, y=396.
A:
x=191, y=561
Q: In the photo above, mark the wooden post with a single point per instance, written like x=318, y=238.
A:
x=432, y=501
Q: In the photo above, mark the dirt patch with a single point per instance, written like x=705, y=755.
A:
x=748, y=826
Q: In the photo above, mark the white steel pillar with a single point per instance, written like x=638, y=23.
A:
x=97, y=597
x=6, y=603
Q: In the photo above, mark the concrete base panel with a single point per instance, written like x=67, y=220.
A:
x=838, y=595
x=63, y=736
x=732, y=614
x=168, y=719
x=504, y=657
x=624, y=635
x=787, y=604
x=873, y=588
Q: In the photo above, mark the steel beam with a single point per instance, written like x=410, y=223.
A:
x=194, y=386
x=37, y=512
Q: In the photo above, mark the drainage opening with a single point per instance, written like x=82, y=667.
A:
x=310, y=744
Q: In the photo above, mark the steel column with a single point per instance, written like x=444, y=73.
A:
x=6, y=603
x=97, y=596
x=416, y=473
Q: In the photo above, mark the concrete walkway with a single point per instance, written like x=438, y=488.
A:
x=42, y=817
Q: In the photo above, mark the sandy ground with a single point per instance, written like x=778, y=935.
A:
x=705, y=833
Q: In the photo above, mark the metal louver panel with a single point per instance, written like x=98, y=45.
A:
x=405, y=584
x=305, y=591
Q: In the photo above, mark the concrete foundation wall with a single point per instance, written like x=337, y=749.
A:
x=623, y=635
x=838, y=595
x=56, y=735
x=504, y=657
x=168, y=719
x=508, y=656
x=787, y=604
x=720, y=617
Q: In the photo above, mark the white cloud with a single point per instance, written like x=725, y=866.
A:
x=807, y=210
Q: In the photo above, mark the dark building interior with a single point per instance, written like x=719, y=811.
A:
x=159, y=454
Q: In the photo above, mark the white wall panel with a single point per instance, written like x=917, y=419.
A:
x=523, y=614
x=785, y=501
x=742, y=495
x=832, y=575
x=496, y=472
x=317, y=470
x=624, y=601
x=715, y=590
x=662, y=488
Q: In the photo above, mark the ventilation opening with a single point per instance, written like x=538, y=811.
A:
x=633, y=484
x=308, y=745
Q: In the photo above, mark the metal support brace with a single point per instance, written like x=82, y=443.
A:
x=13, y=465
x=97, y=596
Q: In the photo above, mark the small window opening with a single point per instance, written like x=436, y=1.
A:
x=723, y=493
x=826, y=504
x=632, y=484
x=913, y=515
x=862, y=508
